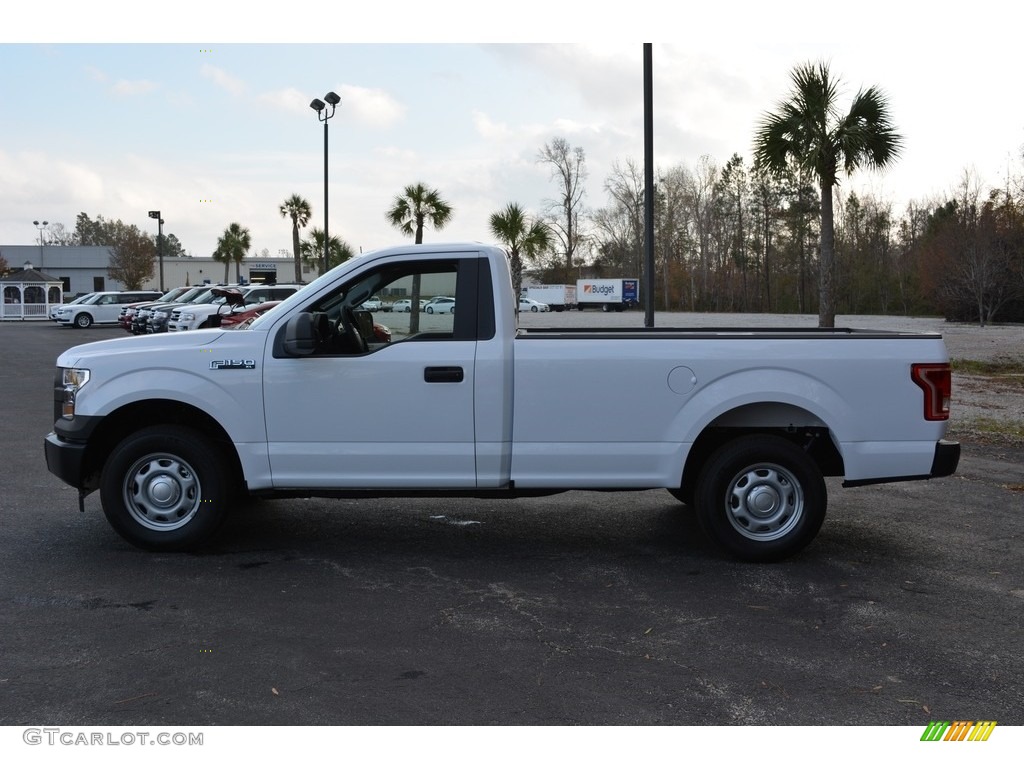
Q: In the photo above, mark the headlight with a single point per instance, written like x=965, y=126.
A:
x=187, y=317
x=74, y=380
x=160, y=315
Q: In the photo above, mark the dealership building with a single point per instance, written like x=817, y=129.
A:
x=83, y=268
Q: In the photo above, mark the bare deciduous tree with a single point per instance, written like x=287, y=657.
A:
x=565, y=213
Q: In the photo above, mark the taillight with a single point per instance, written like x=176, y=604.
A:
x=936, y=379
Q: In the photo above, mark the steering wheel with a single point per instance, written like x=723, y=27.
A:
x=350, y=331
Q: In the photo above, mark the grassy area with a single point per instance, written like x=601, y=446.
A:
x=994, y=427
x=1000, y=367
x=988, y=431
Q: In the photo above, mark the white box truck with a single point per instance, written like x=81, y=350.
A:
x=608, y=294
x=558, y=297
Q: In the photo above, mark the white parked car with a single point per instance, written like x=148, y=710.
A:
x=55, y=311
x=532, y=305
x=405, y=305
x=373, y=304
x=102, y=307
x=440, y=305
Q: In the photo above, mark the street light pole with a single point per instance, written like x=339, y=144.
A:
x=323, y=115
x=648, y=288
x=159, y=244
x=41, y=226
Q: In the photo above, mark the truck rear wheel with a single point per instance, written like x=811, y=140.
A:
x=761, y=498
x=165, y=488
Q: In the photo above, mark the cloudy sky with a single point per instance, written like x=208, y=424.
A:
x=206, y=116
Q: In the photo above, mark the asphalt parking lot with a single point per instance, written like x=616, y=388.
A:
x=582, y=608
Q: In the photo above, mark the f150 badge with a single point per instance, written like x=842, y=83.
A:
x=220, y=365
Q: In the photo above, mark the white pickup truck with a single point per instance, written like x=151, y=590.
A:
x=742, y=425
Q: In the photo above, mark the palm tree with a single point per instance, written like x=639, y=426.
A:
x=312, y=250
x=809, y=131
x=417, y=206
x=299, y=211
x=522, y=237
x=411, y=210
x=232, y=247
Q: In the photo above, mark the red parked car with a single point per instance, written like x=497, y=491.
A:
x=245, y=315
x=232, y=320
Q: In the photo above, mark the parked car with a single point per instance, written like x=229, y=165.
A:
x=153, y=318
x=243, y=315
x=102, y=307
x=373, y=304
x=440, y=305
x=128, y=312
x=405, y=305
x=205, y=313
x=55, y=310
x=532, y=305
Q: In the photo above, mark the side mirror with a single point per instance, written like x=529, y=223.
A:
x=300, y=335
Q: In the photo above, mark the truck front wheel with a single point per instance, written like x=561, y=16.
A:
x=761, y=498
x=165, y=488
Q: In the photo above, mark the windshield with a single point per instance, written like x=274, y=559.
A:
x=190, y=296
x=171, y=294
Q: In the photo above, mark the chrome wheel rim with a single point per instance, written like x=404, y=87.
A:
x=764, y=502
x=162, y=492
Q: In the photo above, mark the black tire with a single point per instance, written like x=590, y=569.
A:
x=534, y=308
x=165, y=488
x=430, y=310
x=761, y=498
x=83, y=320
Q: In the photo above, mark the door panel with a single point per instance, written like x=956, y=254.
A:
x=380, y=414
x=372, y=420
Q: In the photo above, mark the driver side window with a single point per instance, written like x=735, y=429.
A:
x=416, y=303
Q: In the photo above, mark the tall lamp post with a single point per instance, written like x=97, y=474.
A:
x=323, y=115
x=159, y=244
x=41, y=226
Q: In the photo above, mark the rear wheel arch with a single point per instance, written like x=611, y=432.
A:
x=795, y=424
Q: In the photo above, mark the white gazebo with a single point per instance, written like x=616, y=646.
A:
x=28, y=294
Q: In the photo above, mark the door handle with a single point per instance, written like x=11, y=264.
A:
x=443, y=374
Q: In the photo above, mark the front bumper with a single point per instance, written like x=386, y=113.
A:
x=66, y=460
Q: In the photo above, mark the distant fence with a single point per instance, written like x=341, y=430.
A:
x=19, y=311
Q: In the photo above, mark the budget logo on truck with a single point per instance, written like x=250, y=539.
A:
x=598, y=290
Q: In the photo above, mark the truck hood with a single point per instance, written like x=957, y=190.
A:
x=154, y=343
